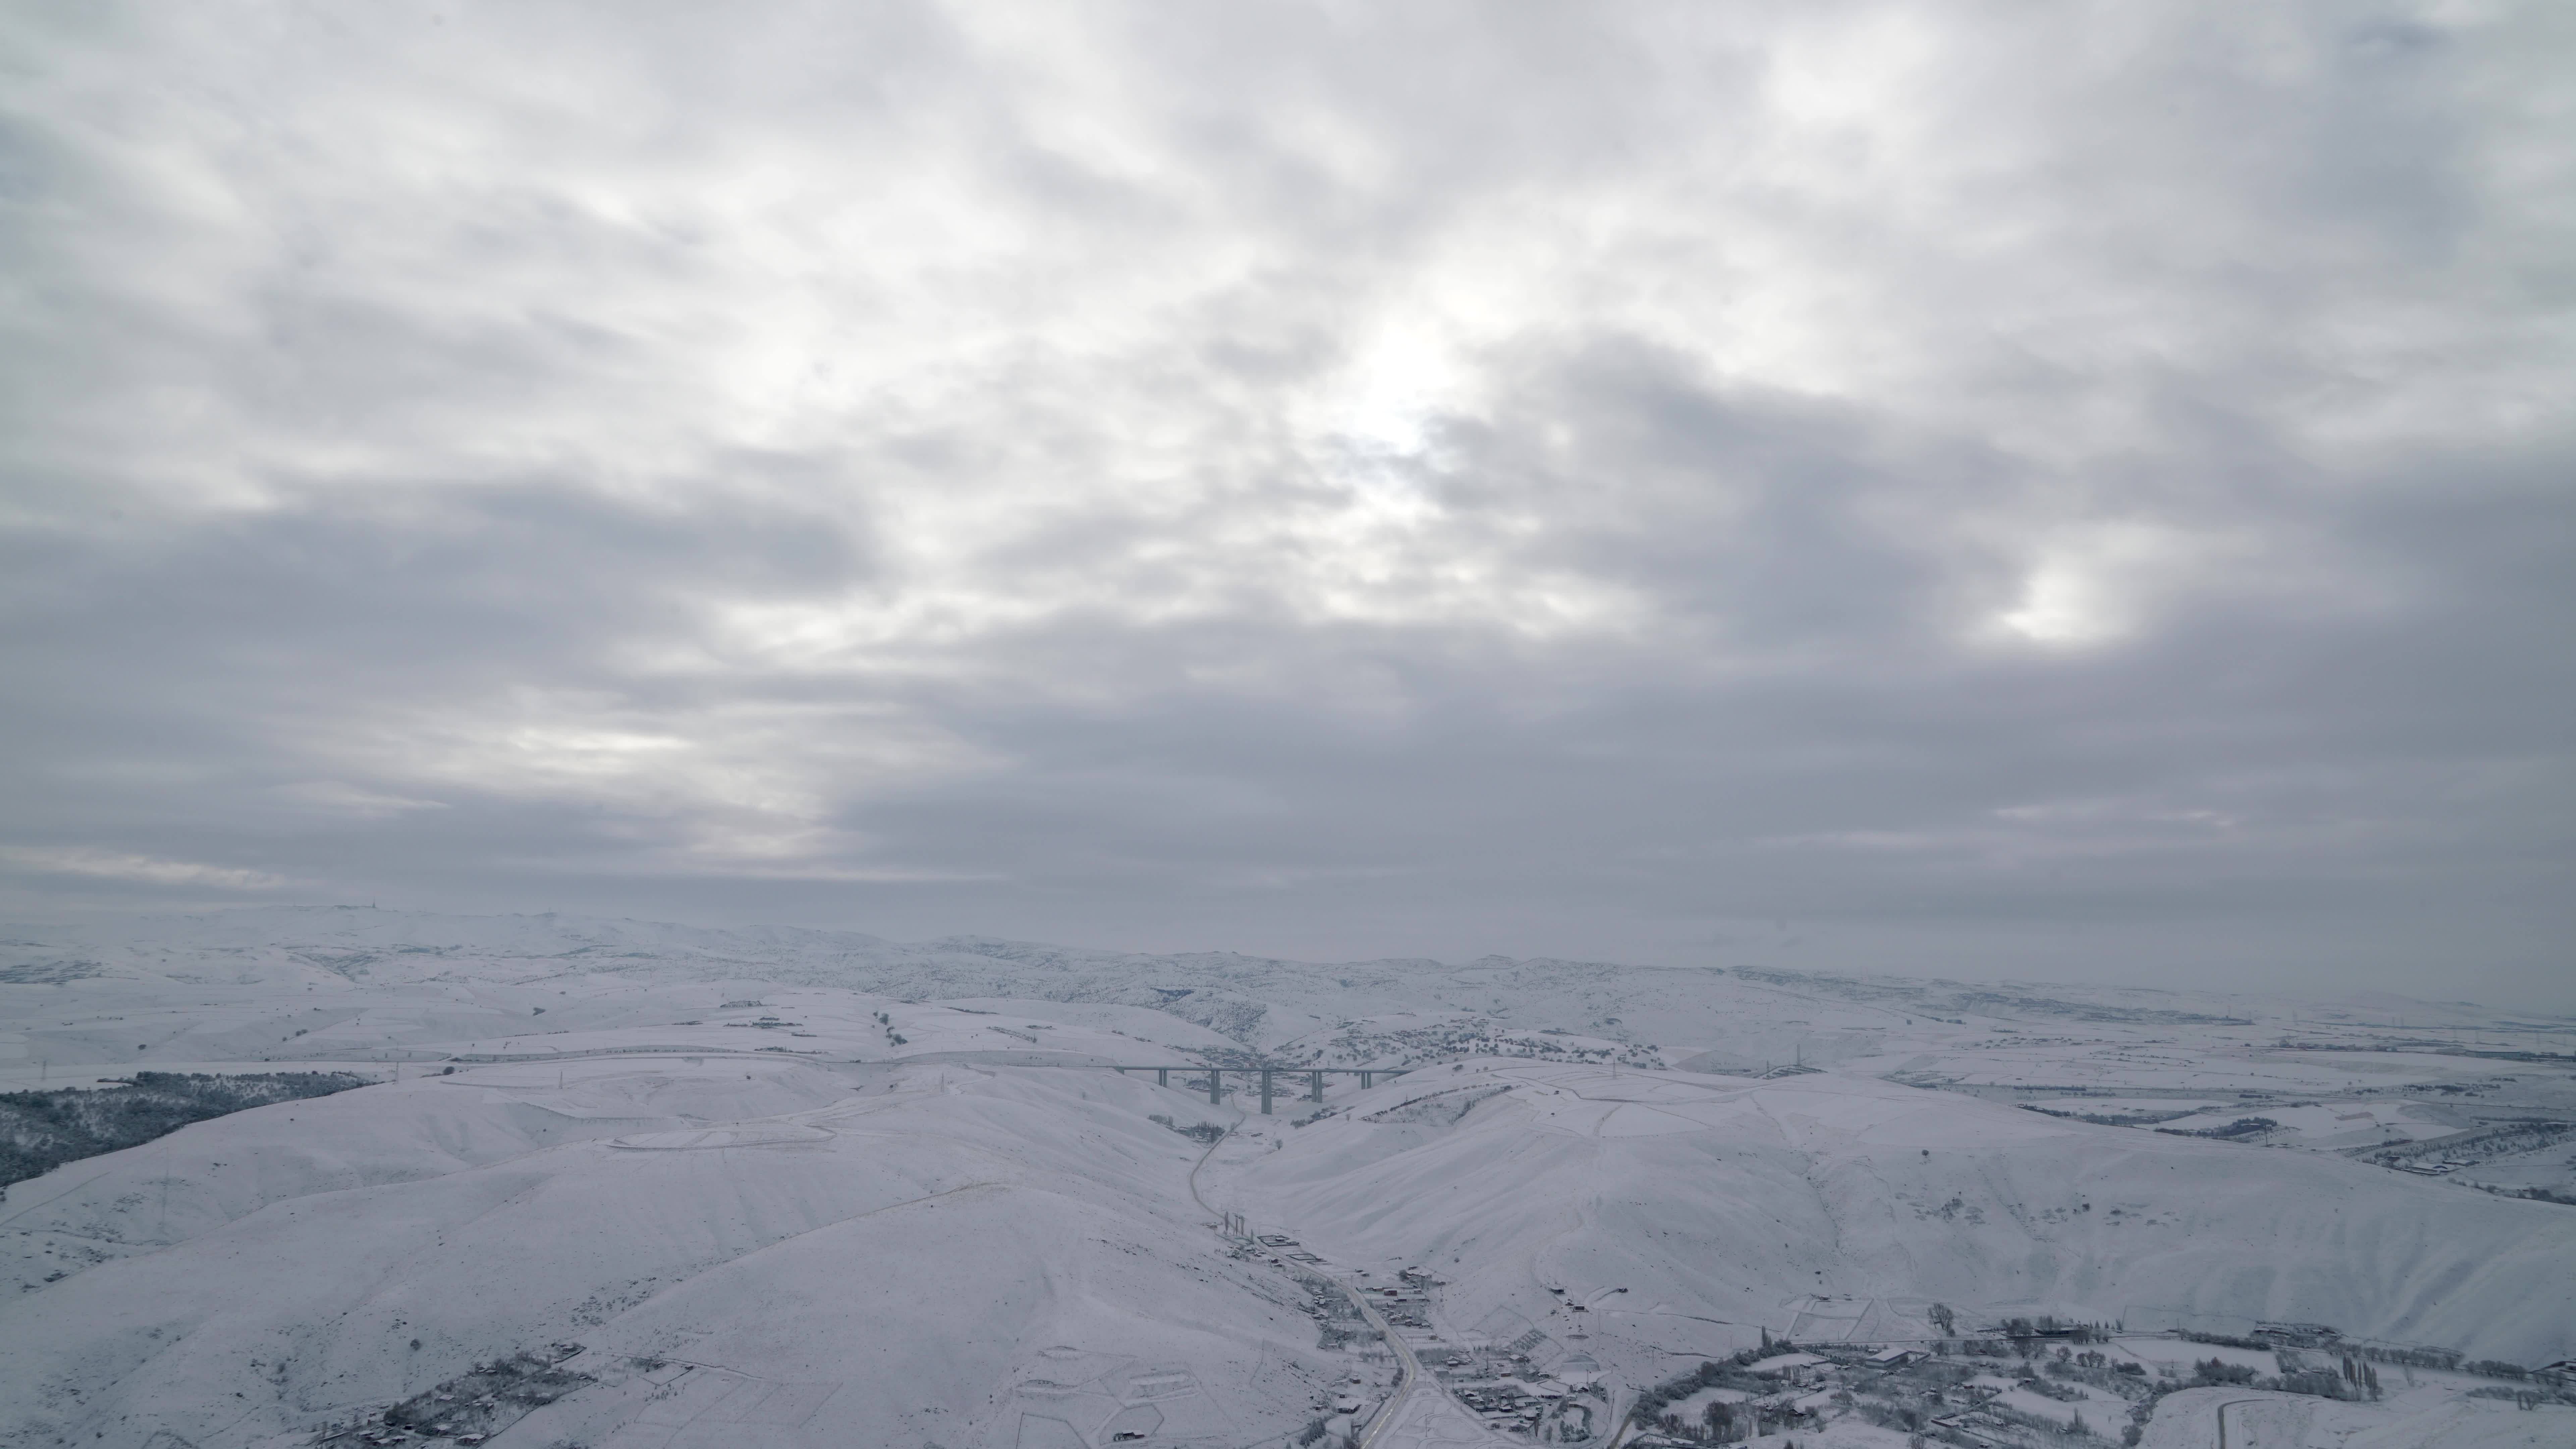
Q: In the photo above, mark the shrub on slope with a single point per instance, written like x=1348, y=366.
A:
x=40, y=1131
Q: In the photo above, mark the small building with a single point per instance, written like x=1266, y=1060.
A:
x=1791, y=1366
x=1896, y=1357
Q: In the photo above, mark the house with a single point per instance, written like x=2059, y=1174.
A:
x=1896, y=1357
x=1794, y=1367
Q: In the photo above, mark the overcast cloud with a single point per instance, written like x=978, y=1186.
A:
x=2062, y=490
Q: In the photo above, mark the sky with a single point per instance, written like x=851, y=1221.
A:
x=2068, y=491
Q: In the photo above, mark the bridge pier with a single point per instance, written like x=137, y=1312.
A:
x=1314, y=1088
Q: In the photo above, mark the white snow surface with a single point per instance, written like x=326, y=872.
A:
x=914, y=1237
x=1719, y=1201
x=848, y=1191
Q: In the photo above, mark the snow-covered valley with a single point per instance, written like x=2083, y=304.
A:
x=801, y=1188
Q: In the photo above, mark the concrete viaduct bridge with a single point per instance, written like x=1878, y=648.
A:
x=1269, y=1084
x=1269, y=1077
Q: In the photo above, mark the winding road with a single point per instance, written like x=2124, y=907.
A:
x=2248, y=1436
x=1409, y=1371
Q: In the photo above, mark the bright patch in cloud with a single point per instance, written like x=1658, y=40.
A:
x=2098, y=585
x=115, y=865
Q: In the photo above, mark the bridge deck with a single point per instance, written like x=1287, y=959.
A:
x=1269, y=1078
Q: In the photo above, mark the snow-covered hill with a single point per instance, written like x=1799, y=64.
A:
x=904, y=1244
x=1727, y=1207
x=797, y=1188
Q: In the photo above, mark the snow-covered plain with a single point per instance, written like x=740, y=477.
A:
x=811, y=1188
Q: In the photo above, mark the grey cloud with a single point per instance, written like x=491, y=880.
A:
x=1873, y=487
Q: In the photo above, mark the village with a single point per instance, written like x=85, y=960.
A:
x=2019, y=1383
x=2027, y=1383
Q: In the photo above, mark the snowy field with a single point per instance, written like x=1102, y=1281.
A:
x=628, y=1186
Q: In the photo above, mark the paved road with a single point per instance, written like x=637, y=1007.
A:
x=2206, y=1418
x=2261, y=1424
x=1421, y=1415
x=1409, y=1373
x=2222, y=1418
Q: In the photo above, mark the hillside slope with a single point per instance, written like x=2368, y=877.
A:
x=907, y=1245
x=1727, y=1207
